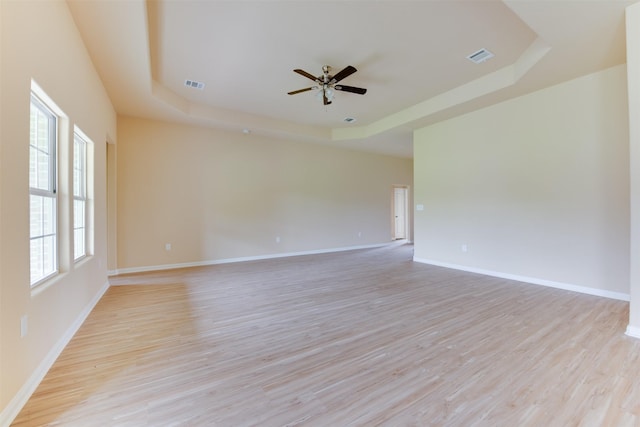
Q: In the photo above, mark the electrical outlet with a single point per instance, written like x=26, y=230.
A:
x=359, y=233
x=167, y=246
x=465, y=248
x=277, y=239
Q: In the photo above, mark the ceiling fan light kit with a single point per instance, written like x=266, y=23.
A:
x=326, y=83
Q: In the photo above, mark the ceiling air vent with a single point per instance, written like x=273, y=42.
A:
x=349, y=119
x=194, y=84
x=480, y=56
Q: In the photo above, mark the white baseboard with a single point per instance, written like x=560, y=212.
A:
x=558, y=285
x=240, y=259
x=633, y=331
x=12, y=410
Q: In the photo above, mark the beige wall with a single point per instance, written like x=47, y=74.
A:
x=40, y=41
x=216, y=195
x=537, y=186
x=633, y=84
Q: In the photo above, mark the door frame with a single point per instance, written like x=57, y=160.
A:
x=406, y=219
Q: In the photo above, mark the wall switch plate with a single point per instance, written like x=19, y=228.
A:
x=277, y=239
x=167, y=246
x=419, y=207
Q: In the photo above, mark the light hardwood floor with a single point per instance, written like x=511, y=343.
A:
x=361, y=338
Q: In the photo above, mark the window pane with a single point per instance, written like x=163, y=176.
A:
x=43, y=238
x=79, y=235
x=49, y=254
x=39, y=169
x=42, y=215
x=77, y=180
x=36, y=260
x=80, y=196
x=48, y=215
x=43, y=257
x=42, y=197
x=33, y=171
x=79, y=167
x=78, y=243
x=44, y=172
x=78, y=213
x=41, y=146
x=42, y=132
x=36, y=216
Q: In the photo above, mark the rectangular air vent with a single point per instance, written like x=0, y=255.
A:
x=480, y=56
x=194, y=84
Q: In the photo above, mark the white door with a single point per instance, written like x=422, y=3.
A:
x=400, y=213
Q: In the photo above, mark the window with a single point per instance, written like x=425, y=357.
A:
x=79, y=196
x=42, y=191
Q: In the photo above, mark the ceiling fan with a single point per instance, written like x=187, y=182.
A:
x=327, y=83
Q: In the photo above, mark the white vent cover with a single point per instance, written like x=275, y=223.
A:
x=194, y=84
x=480, y=56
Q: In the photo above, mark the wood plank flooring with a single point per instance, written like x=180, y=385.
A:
x=359, y=338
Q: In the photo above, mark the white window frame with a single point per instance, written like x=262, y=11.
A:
x=80, y=196
x=43, y=235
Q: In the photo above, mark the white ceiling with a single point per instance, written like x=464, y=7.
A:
x=410, y=55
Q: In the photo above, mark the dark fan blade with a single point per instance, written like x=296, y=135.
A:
x=307, y=75
x=358, y=90
x=346, y=72
x=302, y=90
